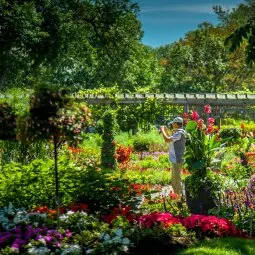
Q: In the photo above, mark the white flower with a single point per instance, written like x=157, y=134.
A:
x=42, y=240
x=69, y=213
x=14, y=250
x=125, y=241
x=38, y=251
x=124, y=248
x=71, y=249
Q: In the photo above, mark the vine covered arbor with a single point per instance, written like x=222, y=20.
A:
x=239, y=106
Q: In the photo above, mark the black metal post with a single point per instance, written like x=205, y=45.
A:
x=56, y=178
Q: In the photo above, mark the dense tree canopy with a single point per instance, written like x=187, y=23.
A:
x=87, y=41
x=93, y=44
x=242, y=33
x=200, y=62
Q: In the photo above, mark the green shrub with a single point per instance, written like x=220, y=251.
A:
x=31, y=185
x=92, y=141
x=23, y=152
x=233, y=134
x=164, y=159
x=108, y=159
x=141, y=144
x=104, y=190
x=99, y=128
x=149, y=162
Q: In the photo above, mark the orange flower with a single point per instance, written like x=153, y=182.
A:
x=41, y=209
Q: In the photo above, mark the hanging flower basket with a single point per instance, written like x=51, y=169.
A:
x=52, y=113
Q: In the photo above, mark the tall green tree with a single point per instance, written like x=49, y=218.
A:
x=240, y=38
x=52, y=40
x=244, y=34
x=195, y=64
x=201, y=63
x=141, y=72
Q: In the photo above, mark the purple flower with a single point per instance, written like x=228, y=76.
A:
x=18, y=243
x=38, y=237
x=58, y=244
x=247, y=203
x=4, y=237
x=17, y=230
x=68, y=233
x=48, y=238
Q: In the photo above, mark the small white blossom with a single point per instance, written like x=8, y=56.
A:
x=71, y=249
x=38, y=251
x=125, y=248
x=125, y=241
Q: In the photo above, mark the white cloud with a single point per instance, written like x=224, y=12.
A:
x=172, y=21
x=188, y=8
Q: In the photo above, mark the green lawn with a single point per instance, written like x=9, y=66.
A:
x=222, y=246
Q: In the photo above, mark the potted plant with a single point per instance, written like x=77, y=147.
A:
x=202, y=144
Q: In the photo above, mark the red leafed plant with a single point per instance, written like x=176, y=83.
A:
x=123, y=154
x=140, y=189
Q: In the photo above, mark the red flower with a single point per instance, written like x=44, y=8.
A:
x=52, y=212
x=207, y=109
x=194, y=115
x=210, y=225
x=121, y=211
x=173, y=195
x=75, y=150
x=185, y=115
x=75, y=207
x=41, y=209
x=158, y=218
x=209, y=129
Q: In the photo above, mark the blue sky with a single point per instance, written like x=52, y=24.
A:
x=166, y=21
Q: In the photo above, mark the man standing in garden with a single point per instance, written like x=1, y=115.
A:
x=176, y=150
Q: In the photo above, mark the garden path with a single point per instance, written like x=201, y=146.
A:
x=163, y=192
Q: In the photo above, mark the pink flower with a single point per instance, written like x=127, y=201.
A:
x=68, y=233
x=194, y=115
x=207, y=109
x=211, y=120
x=48, y=238
x=200, y=123
x=211, y=225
